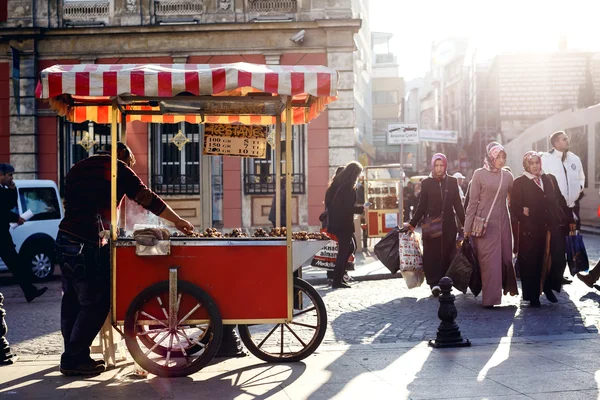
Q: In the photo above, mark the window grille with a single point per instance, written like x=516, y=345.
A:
x=259, y=174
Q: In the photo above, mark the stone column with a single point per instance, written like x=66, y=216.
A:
x=342, y=112
x=23, y=129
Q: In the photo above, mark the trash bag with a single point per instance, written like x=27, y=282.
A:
x=475, y=282
x=577, y=257
x=461, y=269
x=411, y=260
x=387, y=250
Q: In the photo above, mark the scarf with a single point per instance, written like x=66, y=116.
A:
x=536, y=178
x=442, y=157
x=491, y=153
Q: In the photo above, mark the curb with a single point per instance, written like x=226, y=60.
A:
x=374, y=277
x=590, y=230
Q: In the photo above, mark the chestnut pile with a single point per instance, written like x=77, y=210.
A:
x=236, y=232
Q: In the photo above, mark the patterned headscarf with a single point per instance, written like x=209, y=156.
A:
x=442, y=157
x=491, y=153
x=527, y=157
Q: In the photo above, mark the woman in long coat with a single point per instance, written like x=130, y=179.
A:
x=340, y=202
x=534, y=199
x=494, y=248
x=438, y=191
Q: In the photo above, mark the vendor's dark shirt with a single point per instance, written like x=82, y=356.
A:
x=87, y=195
x=8, y=200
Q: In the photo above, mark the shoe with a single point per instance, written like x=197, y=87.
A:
x=36, y=293
x=535, y=304
x=347, y=278
x=587, y=279
x=436, y=291
x=88, y=368
x=340, y=285
x=550, y=296
x=566, y=281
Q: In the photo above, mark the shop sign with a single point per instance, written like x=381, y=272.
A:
x=391, y=220
x=235, y=140
x=427, y=135
x=402, y=134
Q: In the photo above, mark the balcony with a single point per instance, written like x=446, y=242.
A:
x=264, y=6
x=86, y=12
x=182, y=11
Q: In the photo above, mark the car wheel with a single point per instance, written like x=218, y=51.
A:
x=40, y=257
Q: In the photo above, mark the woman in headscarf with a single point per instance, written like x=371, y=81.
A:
x=494, y=248
x=340, y=202
x=534, y=199
x=439, y=197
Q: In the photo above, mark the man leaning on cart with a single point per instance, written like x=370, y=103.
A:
x=84, y=256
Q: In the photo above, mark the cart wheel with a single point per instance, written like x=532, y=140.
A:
x=294, y=341
x=173, y=351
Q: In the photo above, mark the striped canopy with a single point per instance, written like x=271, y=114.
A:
x=84, y=92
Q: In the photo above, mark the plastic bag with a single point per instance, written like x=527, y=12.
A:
x=411, y=260
x=387, y=250
x=325, y=258
x=461, y=269
x=577, y=257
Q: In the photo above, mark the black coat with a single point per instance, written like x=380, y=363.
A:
x=340, y=202
x=8, y=200
x=430, y=202
x=439, y=252
x=543, y=217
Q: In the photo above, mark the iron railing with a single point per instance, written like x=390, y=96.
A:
x=182, y=184
x=265, y=184
x=174, y=8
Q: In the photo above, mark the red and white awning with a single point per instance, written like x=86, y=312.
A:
x=82, y=92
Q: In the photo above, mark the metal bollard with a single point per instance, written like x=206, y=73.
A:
x=448, y=334
x=6, y=357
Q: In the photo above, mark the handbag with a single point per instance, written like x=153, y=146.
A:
x=577, y=257
x=480, y=223
x=432, y=226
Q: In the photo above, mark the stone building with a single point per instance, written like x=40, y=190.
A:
x=323, y=32
x=388, y=97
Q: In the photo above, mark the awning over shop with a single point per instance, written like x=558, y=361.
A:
x=149, y=92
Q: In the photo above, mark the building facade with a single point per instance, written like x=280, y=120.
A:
x=37, y=34
x=388, y=97
x=583, y=128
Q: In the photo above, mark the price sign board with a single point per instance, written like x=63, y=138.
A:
x=235, y=140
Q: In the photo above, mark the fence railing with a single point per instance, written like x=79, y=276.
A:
x=85, y=10
x=174, y=8
x=288, y=6
x=265, y=184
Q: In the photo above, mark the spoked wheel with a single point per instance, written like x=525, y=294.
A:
x=173, y=337
x=293, y=341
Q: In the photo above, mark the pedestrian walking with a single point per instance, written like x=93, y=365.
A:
x=440, y=197
x=534, y=202
x=84, y=257
x=340, y=202
x=8, y=200
x=461, y=179
x=488, y=221
x=568, y=171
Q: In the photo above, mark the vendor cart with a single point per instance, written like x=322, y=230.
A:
x=382, y=185
x=173, y=298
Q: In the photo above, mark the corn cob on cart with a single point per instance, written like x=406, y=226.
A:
x=172, y=299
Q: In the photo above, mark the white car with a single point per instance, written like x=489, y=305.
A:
x=34, y=239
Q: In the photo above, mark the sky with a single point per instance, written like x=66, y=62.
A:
x=493, y=26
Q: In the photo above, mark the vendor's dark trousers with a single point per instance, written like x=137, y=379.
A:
x=346, y=246
x=86, y=298
x=21, y=273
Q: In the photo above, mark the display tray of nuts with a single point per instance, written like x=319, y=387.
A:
x=213, y=233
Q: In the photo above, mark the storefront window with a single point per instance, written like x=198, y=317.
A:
x=175, y=171
x=579, y=145
x=597, y=169
x=259, y=174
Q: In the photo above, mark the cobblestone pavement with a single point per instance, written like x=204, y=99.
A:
x=383, y=311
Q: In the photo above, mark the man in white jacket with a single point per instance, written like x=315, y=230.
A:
x=568, y=171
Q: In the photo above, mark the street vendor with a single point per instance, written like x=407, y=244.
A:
x=83, y=254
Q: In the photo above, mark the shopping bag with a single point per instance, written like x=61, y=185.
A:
x=576, y=254
x=387, y=248
x=325, y=258
x=461, y=269
x=411, y=260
